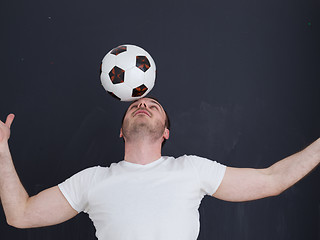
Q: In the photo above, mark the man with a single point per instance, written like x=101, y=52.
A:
x=147, y=195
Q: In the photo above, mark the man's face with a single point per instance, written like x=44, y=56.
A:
x=145, y=117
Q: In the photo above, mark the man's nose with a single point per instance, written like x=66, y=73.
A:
x=142, y=104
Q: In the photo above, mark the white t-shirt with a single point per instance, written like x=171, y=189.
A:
x=157, y=201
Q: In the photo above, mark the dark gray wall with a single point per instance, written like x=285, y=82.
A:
x=240, y=80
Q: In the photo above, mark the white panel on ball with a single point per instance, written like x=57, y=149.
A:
x=126, y=60
x=149, y=77
x=136, y=50
x=134, y=77
x=123, y=91
x=108, y=62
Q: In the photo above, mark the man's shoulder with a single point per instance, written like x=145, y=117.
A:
x=194, y=160
x=92, y=172
x=183, y=159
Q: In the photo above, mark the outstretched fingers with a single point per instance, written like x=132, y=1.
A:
x=9, y=120
x=5, y=128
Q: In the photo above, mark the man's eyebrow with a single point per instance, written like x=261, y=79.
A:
x=153, y=101
x=132, y=104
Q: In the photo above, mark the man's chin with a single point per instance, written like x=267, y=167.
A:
x=142, y=128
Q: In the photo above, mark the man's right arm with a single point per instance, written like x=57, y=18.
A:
x=49, y=207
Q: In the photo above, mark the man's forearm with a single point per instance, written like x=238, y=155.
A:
x=290, y=170
x=12, y=193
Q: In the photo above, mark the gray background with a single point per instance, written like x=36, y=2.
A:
x=239, y=79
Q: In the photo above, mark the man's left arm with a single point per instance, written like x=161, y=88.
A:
x=245, y=184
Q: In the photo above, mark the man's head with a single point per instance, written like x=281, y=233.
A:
x=145, y=117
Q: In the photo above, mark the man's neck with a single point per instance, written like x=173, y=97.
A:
x=142, y=152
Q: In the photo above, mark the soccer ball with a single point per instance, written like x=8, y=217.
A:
x=128, y=72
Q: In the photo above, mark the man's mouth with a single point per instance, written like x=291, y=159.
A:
x=142, y=112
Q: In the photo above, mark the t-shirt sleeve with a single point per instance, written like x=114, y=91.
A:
x=210, y=173
x=75, y=189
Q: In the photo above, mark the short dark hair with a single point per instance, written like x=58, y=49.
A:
x=167, y=122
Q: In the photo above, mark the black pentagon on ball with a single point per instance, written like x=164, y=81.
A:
x=139, y=91
x=142, y=63
x=116, y=75
x=114, y=96
x=119, y=50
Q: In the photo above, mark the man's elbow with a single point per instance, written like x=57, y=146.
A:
x=16, y=223
x=275, y=190
x=273, y=184
x=275, y=193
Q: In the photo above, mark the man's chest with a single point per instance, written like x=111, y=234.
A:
x=145, y=192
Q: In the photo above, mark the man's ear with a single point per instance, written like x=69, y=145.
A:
x=166, y=134
x=121, y=135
